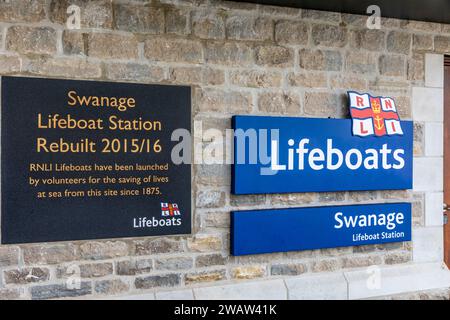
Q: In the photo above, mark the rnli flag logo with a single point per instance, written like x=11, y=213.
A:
x=373, y=115
x=169, y=209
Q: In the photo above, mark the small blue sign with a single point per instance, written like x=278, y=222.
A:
x=280, y=230
x=286, y=154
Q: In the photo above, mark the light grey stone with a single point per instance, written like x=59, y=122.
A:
x=434, y=70
x=428, y=104
x=326, y=286
x=261, y=290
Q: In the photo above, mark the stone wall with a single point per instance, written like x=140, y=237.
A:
x=240, y=59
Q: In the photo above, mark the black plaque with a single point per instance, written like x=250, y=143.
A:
x=109, y=174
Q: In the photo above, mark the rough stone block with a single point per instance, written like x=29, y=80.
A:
x=215, y=100
x=288, y=269
x=399, y=42
x=134, y=72
x=177, y=21
x=293, y=199
x=441, y=44
x=256, y=79
x=274, y=56
x=22, y=11
x=205, y=242
x=368, y=39
x=326, y=16
x=49, y=254
x=213, y=77
x=422, y=42
x=326, y=265
x=378, y=247
x=393, y=66
x=208, y=25
x=329, y=35
x=416, y=68
x=135, y=18
x=417, y=211
x=9, y=256
x=291, y=32
x=415, y=25
x=173, y=50
x=111, y=287
x=186, y=75
x=354, y=20
x=149, y=282
x=229, y=53
x=10, y=294
x=404, y=108
x=247, y=200
x=176, y=263
x=393, y=87
x=216, y=220
x=98, y=250
x=324, y=60
x=320, y=104
x=63, y=67
x=279, y=11
x=134, y=266
x=348, y=83
x=265, y=258
x=395, y=194
x=279, y=102
x=398, y=257
x=245, y=28
x=362, y=196
x=331, y=196
x=210, y=199
x=418, y=142
x=362, y=261
x=26, y=40
x=159, y=245
x=204, y=276
x=54, y=291
x=361, y=62
x=308, y=80
x=213, y=174
x=9, y=64
x=88, y=270
x=248, y=272
x=112, y=46
x=335, y=252
x=26, y=275
x=208, y=260
x=75, y=42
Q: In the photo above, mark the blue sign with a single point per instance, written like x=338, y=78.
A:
x=280, y=230
x=281, y=155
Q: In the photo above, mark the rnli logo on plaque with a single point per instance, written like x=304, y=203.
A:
x=373, y=116
x=169, y=209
